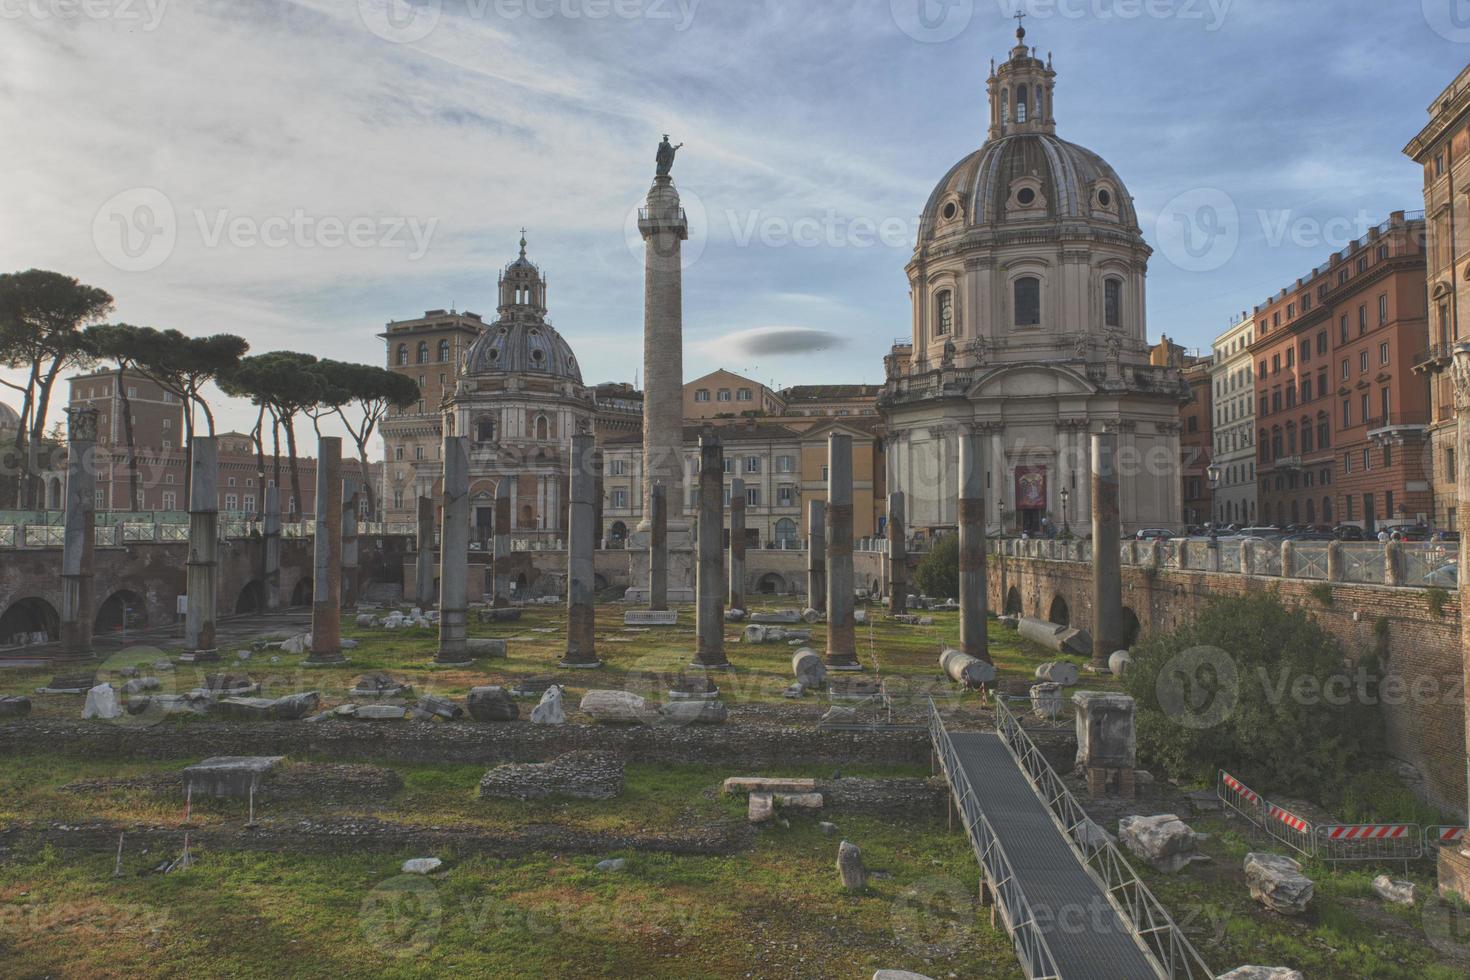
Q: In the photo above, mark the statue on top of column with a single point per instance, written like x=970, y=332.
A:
x=665, y=158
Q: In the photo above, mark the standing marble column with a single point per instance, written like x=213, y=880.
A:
x=326, y=581
x=202, y=570
x=664, y=228
x=737, y=544
x=709, y=582
x=423, y=563
x=351, y=504
x=500, y=571
x=816, y=554
x=658, y=549
x=79, y=543
x=454, y=553
x=898, y=556
x=1107, y=532
x=973, y=638
x=581, y=541
x=272, y=548
x=841, y=633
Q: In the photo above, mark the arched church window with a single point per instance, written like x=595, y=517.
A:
x=944, y=318
x=485, y=429
x=1005, y=106
x=1028, y=301
x=423, y=352
x=1022, y=100
x=543, y=427
x=443, y=351
x=402, y=354
x=1113, y=302
x=1040, y=112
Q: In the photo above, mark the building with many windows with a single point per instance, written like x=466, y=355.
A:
x=1195, y=443
x=1232, y=382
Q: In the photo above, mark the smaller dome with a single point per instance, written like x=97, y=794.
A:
x=515, y=347
x=9, y=420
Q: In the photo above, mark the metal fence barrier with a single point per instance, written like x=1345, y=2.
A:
x=1370, y=842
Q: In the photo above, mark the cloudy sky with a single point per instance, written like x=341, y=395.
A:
x=302, y=172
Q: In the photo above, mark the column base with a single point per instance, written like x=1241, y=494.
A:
x=580, y=664
x=323, y=660
x=198, y=657
x=726, y=666
x=846, y=666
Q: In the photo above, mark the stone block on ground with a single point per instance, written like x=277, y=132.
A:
x=615, y=707
x=1277, y=882
x=380, y=685
x=1105, y=731
x=1118, y=662
x=966, y=670
x=810, y=615
x=421, y=866
x=760, y=808
x=611, y=865
x=229, y=776
x=248, y=709
x=1059, y=672
x=734, y=615
x=651, y=617
x=380, y=712
x=141, y=685
x=300, y=643
x=898, y=975
x=1046, y=700
x=768, y=784
x=1262, y=973
x=799, y=801
x=1164, y=841
x=583, y=775
x=295, y=706
x=783, y=617
x=850, y=866
x=74, y=683
x=439, y=707
x=231, y=685
x=550, y=710
x=1395, y=892
x=808, y=667
x=14, y=707
x=492, y=704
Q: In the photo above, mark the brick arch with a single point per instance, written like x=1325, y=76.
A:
x=1013, y=602
x=1058, y=611
x=30, y=614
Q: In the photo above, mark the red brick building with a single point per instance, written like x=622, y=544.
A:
x=1196, y=441
x=1342, y=419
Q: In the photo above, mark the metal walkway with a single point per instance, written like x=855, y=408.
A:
x=1072, y=905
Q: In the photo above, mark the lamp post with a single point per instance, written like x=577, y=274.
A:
x=1213, y=474
x=1066, y=519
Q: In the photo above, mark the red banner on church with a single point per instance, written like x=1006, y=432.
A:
x=1030, y=487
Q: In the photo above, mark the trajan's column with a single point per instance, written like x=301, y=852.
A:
x=664, y=229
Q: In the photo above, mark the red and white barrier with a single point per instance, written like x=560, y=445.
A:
x=1370, y=831
x=1287, y=817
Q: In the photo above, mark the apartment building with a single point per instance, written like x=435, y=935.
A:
x=1232, y=383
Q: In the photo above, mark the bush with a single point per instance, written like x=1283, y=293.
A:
x=938, y=574
x=1259, y=690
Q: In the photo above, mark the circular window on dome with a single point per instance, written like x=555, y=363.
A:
x=494, y=354
x=1026, y=197
x=538, y=356
x=950, y=210
x=1105, y=198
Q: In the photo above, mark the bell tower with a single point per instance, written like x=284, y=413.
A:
x=522, y=287
x=1020, y=92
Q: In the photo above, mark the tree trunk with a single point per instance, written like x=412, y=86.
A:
x=38, y=421
x=127, y=406
x=367, y=482
x=295, y=470
x=21, y=451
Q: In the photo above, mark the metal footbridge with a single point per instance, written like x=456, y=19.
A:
x=1071, y=904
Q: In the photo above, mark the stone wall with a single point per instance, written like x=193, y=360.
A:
x=1425, y=720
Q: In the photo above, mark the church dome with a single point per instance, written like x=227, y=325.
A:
x=520, y=340
x=9, y=421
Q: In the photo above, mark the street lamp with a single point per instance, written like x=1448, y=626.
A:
x=1213, y=475
x=1066, y=522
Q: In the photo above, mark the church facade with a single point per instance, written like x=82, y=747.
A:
x=1027, y=286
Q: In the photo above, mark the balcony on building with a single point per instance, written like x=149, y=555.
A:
x=1397, y=430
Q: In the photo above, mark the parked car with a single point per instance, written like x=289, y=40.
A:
x=1446, y=576
x=1154, y=534
x=1349, y=532
x=1312, y=536
x=1261, y=532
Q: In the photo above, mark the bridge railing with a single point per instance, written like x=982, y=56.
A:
x=1010, y=899
x=1146, y=917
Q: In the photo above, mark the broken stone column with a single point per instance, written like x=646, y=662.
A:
x=658, y=549
x=581, y=539
x=1106, y=741
x=454, y=553
x=500, y=569
x=423, y=563
x=202, y=570
x=816, y=554
x=737, y=544
x=351, y=504
x=1107, y=578
x=973, y=639
x=326, y=580
x=898, y=556
x=272, y=548
x=79, y=542
x=709, y=582
x=841, y=634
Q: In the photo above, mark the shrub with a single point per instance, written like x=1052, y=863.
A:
x=1436, y=598
x=938, y=574
x=1259, y=690
x=1322, y=592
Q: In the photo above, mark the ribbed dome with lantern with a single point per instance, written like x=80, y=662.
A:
x=1027, y=287
x=520, y=339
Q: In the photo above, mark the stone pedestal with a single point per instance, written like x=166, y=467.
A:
x=581, y=539
x=1106, y=743
x=1107, y=532
x=202, y=570
x=973, y=638
x=710, y=579
x=737, y=544
x=272, y=548
x=326, y=581
x=79, y=542
x=816, y=554
x=841, y=634
x=500, y=568
x=898, y=556
x=454, y=554
x=351, y=505
x=423, y=562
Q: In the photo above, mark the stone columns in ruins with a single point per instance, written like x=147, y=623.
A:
x=841, y=635
x=737, y=544
x=500, y=566
x=351, y=505
x=973, y=638
x=272, y=547
x=898, y=556
x=423, y=564
x=79, y=543
x=816, y=554
x=581, y=541
x=326, y=575
x=664, y=228
x=658, y=549
x=1107, y=532
x=454, y=553
x=202, y=570
x=709, y=581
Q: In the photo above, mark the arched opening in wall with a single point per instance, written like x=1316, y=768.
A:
x=600, y=582
x=1129, y=631
x=618, y=534
x=1059, y=612
x=771, y=584
x=528, y=516
x=27, y=620
x=301, y=595
x=543, y=428
x=123, y=609
x=252, y=599
x=1013, y=602
x=54, y=497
